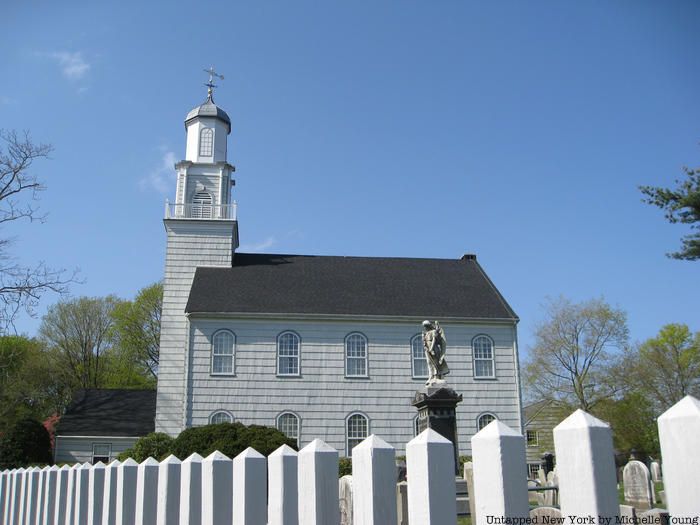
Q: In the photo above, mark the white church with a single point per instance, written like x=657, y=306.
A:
x=318, y=346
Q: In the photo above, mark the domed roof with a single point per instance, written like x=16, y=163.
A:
x=208, y=109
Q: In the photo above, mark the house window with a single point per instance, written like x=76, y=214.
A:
x=357, y=430
x=101, y=452
x=419, y=364
x=206, y=142
x=356, y=355
x=222, y=353
x=416, y=426
x=484, y=419
x=482, y=348
x=532, y=469
x=201, y=205
x=288, y=424
x=220, y=416
x=531, y=438
x=288, y=354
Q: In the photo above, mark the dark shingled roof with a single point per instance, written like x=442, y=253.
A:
x=98, y=412
x=365, y=286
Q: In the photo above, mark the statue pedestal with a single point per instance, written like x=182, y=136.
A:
x=437, y=409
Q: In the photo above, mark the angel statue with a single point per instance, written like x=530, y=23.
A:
x=435, y=346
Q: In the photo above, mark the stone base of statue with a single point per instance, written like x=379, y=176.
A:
x=437, y=409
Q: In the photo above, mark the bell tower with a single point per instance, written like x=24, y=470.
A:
x=202, y=230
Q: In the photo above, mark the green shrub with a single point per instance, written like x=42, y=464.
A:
x=24, y=444
x=155, y=445
x=228, y=438
x=344, y=467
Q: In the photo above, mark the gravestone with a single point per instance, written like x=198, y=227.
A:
x=469, y=478
x=637, y=485
x=402, y=502
x=544, y=514
x=345, y=497
x=437, y=409
x=655, y=471
x=628, y=513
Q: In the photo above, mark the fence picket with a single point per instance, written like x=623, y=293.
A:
x=249, y=488
x=146, y=492
x=96, y=493
x=168, y=512
x=282, y=486
x=374, y=482
x=126, y=492
x=217, y=490
x=318, y=485
x=191, y=490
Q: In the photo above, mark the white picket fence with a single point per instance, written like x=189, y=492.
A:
x=290, y=488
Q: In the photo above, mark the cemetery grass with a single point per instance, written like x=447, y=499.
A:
x=464, y=520
x=658, y=486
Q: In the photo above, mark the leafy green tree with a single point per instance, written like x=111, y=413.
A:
x=681, y=205
x=633, y=421
x=29, y=388
x=137, y=328
x=666, y=368
x=575, y=352
x=25, y=443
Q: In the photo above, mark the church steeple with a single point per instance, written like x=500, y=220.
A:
x=204, y=178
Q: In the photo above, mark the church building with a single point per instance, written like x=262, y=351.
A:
x=322, y=347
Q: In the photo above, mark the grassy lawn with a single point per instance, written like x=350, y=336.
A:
x=464, y=520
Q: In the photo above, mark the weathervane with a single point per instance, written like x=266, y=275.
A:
x=210, y=85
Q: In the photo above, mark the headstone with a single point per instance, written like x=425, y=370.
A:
x=469, y=477
x=628, y=514
x=655, y=471
x=402, y=502
x=544, y=514
x=655, y=517
x=437, y=410
x=637, y=485
x=541, y=477
x=345, y=496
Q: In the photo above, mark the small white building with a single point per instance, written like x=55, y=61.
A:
x=319, y=346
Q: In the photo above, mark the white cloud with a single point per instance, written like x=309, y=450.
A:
x=264, y=245
x=73, y=65
x=161, y=178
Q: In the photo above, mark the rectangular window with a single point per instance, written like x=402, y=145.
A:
x=101, y=452
x=532, y=469
x=483, y=368
x=531, y=438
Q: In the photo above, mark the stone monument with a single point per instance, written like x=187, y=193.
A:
x=637, y=485
x=436, y=401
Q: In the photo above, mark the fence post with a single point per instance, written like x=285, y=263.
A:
x=4, y=501
x=431, y=480
x=126, y=492
x=318, y=485
x=586, y=467
x=169, y=491
x=31, y=495
x=679, y=428
x=146, y=492
x=70, y=494
x=283, y=496
x=50, y=495
x=81, y=484
x=21, y=502
x=250, y=488
x=41, y=494
x=109, y=504
x=217, y=489
x=374, y=482
x=61, y=495
x=191, y=490
x=96, y=493
x=499, y=466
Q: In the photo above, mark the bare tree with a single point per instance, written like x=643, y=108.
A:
x=575, y=356
x=21, y=287
x=79, y=334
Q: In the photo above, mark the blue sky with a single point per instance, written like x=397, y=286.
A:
x=518, y=131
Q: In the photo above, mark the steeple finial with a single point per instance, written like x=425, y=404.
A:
x=210, y=85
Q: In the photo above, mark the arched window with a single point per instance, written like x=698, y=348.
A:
x=416, y=426
x=356, y=355
x=220, y=416
x=201, y=205
x=288, y=424
x=356, y=430
x=223, y=353
x=482, y=349
x=419, y=364
x=288, y=354
x=206, y=142
x=483, y=420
